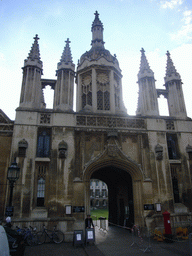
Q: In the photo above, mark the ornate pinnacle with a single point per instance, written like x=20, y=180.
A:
x=66, y=56
x=34, y=52
x=170, y=69
x=144, y=65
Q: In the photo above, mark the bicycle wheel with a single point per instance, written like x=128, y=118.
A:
x=58, y=237
x=32, y=240
x=40, y=237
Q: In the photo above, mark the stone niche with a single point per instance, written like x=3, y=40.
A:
x=63, y=147
x=159, y=152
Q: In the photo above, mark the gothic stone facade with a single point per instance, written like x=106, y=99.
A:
x=6, y=132
x=143, y=159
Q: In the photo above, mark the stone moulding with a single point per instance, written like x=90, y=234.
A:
x=103, y=121
x=112, y=154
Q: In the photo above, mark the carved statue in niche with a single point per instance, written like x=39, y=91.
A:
x=63, y=149
x=159, y=152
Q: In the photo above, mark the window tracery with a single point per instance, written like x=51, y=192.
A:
x=41, y=169
x=86, y=87
x=103, y=90
x=117, y=90
x=43, y=143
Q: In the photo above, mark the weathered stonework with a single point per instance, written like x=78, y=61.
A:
x=143, y=159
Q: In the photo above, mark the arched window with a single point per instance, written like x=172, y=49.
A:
x=172, y=146
x=43, y=144
x=40, y=192
x=41, y=170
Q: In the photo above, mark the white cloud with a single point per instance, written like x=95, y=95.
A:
x=170, y=4
x=184, y=34
x=187, y=17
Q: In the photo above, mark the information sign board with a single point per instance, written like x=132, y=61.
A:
x=78, y=208
x=90, y=235
x=78, y=238
x=149, y=207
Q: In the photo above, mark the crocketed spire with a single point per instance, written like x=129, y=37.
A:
x=66, y=60
x=145, y=70
x=66, y=56
x=97, y=21
x=34, y=52
x=34, y=58
x=171, y=72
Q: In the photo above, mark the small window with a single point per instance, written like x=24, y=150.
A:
x=41, y=170
x=43, y=144
x=40, y=192
x=172, y=146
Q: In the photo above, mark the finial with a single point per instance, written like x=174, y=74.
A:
x=168, y=54
x=142, y=51
x=67, y=41
x=36, y=37
x=96, y=14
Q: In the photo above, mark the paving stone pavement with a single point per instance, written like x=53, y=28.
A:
x=113, y=242
x=118, y=241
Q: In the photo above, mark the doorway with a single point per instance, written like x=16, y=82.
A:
x=120, y=194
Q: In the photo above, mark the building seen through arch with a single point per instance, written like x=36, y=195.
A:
x=98, y=194
x=145, y=160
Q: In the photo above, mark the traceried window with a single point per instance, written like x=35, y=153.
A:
x=41, y=169
x=97, y=192
x=175, y=174
x=40, y=192
x=103, y=94
x=100, y=100
x=43, y=143
x=117, y=90
x=86, y=87
x=172, y=146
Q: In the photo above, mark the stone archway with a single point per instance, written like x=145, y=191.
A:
x=128, y=168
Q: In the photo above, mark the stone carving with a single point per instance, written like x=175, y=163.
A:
x=63, y=147
x=110, y=122
x=170, y=125
x=22, y=145
x=159, y=152
x=112, y=150
x=45, y=118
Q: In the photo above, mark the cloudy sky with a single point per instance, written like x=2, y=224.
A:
x=129, y=25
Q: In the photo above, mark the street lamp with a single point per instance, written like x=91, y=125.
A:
x=12, y=176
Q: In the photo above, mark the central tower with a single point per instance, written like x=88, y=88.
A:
x=99, y=87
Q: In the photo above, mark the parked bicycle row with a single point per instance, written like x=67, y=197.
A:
x=32, y=237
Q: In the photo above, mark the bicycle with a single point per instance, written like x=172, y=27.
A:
x=29, y=235
x=55, y=235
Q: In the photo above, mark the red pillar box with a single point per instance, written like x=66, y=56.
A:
x=167, y=225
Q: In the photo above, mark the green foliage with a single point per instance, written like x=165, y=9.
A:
x=99, y=213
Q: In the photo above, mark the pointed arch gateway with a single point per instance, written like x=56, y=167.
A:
x=124, y=178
